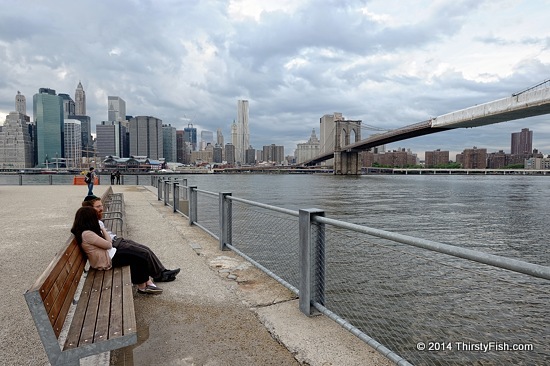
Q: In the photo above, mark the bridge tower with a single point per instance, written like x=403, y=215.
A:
x=346, y=162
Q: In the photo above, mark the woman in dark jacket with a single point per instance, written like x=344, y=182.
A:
x=102, y=255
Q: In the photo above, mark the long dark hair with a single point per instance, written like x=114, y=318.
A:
x=85, y=219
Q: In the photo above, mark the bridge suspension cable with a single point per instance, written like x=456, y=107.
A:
x=532, y=87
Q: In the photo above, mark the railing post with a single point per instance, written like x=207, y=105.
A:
x=192, y=196
x=159, y=190
x=166, y=192
x=312, y=260
x=176, y=195
x=225, y=220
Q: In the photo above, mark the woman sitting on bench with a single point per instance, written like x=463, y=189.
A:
x=96, y=243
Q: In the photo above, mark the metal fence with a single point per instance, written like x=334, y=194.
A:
x=415, y=301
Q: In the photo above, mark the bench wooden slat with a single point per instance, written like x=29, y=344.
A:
x=105, y=308
x=73, y=336
x=115, y=318
x=129, y=315
x=88, y=327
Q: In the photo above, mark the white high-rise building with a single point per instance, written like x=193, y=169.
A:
x=117, y=109
x=73, y=143
x=243, y=132
x=21, y=104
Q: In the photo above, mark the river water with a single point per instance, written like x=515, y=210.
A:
x=506, y=215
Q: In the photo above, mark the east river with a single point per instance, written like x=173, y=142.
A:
x=406, y=297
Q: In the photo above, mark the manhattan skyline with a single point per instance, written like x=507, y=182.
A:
x=390, y=66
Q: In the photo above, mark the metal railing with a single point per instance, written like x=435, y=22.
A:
x=414, y=300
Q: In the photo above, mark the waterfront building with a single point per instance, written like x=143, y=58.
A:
x=73, y=143
x=180, y=144
x=308, y=150
x=49, y=121
x=80, y=100
x=146, y=137
x=400, y=158
x=522, y=142
x=435, y=158
x=250, y=156
x=537, y=163
x=16, y=145
x=497, y=160
x=190, y=136
x=116, y=109
x=112, y=139
x=203, y=156
x=217, y=154
x=243, y=132
x=20, y=103
x=273, y=153
x=230, y=153
x=473, y=158
x=169, y=147
x=86, y=134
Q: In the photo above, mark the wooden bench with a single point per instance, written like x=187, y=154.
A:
x=104, y=318
x=113, y=212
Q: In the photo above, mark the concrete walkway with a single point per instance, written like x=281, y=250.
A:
x=202, y=318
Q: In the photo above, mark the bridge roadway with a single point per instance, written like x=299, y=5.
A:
x=219, y=311
x=523, y=105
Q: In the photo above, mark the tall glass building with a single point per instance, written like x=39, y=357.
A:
x=190, y=136
x=48, y=118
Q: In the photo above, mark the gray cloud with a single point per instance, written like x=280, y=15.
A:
x=181, y=60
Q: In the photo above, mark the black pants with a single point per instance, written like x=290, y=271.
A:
x=141, y=259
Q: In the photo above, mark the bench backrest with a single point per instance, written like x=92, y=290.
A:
x=57, y=285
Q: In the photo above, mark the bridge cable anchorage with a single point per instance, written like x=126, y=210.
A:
x=531, y=87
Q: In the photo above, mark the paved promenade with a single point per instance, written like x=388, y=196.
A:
x=220, y=310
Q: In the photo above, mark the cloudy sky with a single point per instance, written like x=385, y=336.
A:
x=389, y=63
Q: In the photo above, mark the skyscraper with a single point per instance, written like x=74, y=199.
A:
x=48, y=118
x=73, y=143
x=219, y=137
x=146, y=137
x=20, y=103
x=522, y=142
x=80, y=100
x=116, y=109
x=207, y=137
x=110, y=139
x=16, y=146
x=190, y=136
x=169, y=143
x=243, y=132
x=68, y=105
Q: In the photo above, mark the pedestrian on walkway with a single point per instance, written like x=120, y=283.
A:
x=89, y=179
x=112, y=178
x=117, y=174
x=155, y=267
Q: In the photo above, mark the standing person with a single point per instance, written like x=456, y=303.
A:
x=89, y=179
x=155, y=266
x=117, y=177
x=101, y=254
x=112, y=178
